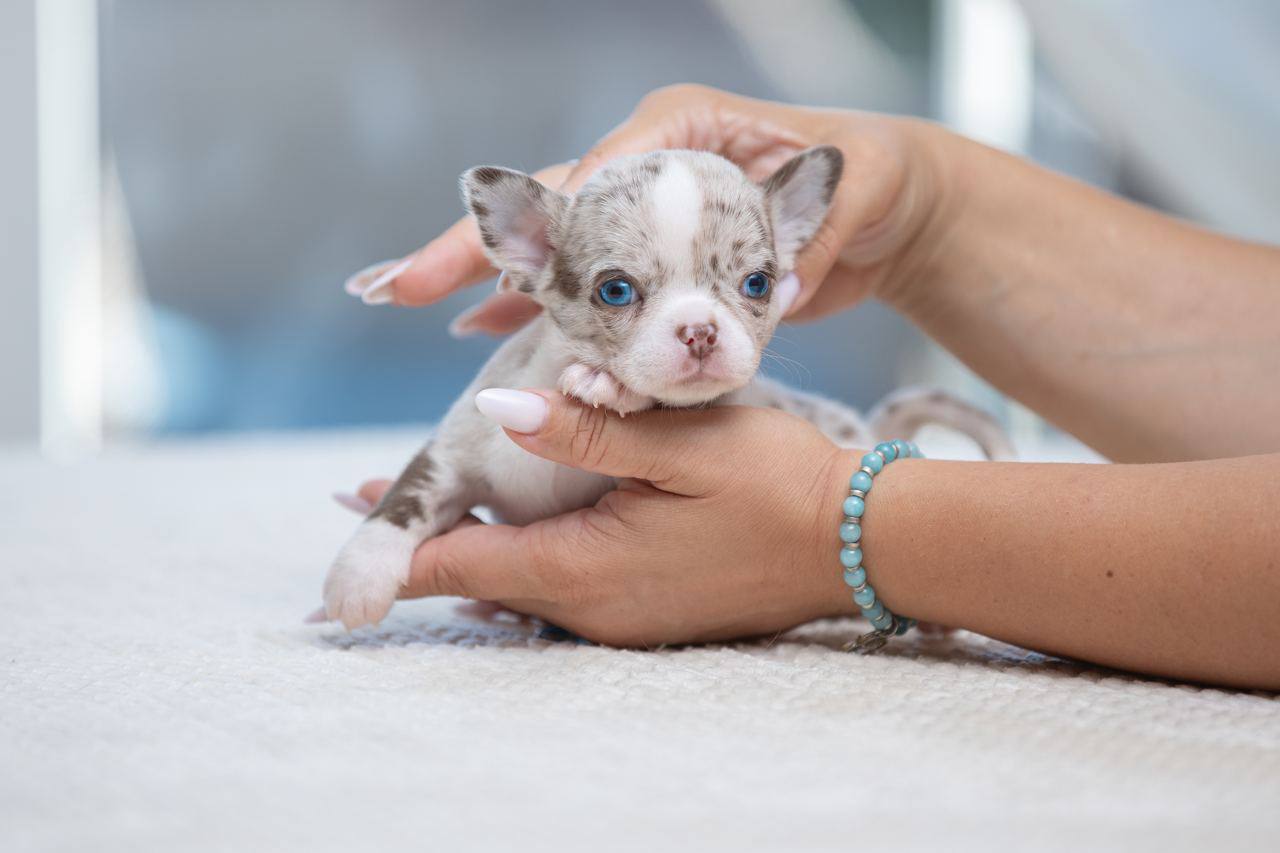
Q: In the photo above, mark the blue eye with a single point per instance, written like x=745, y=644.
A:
x=617, y=292
x=755, y=285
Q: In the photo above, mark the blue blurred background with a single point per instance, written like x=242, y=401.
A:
x=256, y=152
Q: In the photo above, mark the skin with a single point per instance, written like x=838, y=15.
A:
x=1151, y=340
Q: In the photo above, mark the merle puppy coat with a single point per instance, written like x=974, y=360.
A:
x=657, y=282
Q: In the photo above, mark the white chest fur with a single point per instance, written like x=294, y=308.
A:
x=524, y=487
x=529, y=488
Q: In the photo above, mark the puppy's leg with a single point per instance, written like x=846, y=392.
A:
x=597, y=387
x=903, y=413
x=430, y=496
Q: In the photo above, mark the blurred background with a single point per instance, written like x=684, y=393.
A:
x=186, y=185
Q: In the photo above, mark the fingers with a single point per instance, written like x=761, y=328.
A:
x=490, y=562
x=365, y=499
x=450, y=262
x=443, y=566
x=869, y=183
x=685, y=452
x=636, y=135
x=500, y=314
x=355, y=503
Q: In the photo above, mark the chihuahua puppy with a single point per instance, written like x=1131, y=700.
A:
x=657, y=279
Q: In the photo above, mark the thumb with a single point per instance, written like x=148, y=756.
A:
x=678, y=451
x=487, y=562
x=866, y=215
x=630, y=137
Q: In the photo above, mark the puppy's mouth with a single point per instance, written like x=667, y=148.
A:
x=696, y=382
x=701, y=371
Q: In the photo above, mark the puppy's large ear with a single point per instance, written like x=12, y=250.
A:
x=798, y=195
x=519, y=221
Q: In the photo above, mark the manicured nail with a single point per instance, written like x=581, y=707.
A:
x=355, y=503
x=316, y=617
x=361, y=281
x=519, y=411
x=463, y=326
x=358, y=282
x=788, y=290
x=379, y=291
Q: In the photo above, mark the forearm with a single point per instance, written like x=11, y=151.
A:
x=1169, y=569
x=1147, y=338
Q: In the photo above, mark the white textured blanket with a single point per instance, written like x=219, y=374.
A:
x=159, y=693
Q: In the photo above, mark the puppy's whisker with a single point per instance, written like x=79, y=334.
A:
x=797, y=369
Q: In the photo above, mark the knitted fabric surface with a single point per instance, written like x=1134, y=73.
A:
x=160, y=693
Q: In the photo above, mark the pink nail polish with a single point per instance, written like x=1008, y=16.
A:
x=316, y=618
x=365, y=278
x=355, y=503
x=463, y=326
x=380, y=291
x=519, y=411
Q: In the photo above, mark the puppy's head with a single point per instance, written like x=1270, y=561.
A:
x=662, y=268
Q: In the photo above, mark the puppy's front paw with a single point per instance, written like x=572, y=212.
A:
x=367, y=575
x=598, y=388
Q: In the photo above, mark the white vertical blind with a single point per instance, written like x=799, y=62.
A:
x=69, y=226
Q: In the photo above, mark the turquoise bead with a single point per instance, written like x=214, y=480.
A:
x=874, y=461
x=850, y=532
x=850, y=557
x=874, y=611
x=884, y=621
x=915, y=451
x=903, y=627
x=887, y=450
x=854, y=506
x=860, y=481
x=901, y=446
x=866, y=597
x=855, y=577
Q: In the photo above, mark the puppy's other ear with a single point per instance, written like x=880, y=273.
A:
x=798, y=195
x=519, y=221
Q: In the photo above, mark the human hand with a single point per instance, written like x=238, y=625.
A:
x=869, y=244
x=722, y=525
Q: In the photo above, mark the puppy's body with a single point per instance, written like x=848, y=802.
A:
x=656, y=280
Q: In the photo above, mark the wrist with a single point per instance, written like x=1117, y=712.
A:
x=830, y=593
x=898, y=515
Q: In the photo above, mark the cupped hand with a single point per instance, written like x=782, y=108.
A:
x=723, y=525
x=869, y=244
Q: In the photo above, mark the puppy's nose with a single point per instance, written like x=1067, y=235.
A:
x=700, y=338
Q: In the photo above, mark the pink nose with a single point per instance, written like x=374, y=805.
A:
x=699, y=338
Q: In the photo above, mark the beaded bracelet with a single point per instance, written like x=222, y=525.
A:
x=886, y=624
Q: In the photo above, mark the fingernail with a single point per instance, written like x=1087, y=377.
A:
x=379, y=291
x=462, y=326
x=355, y=503
x=501, y=284
x=316, y=617
x=364, y=279
x=788, y=290
x=356, y=285
x=516, y=410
